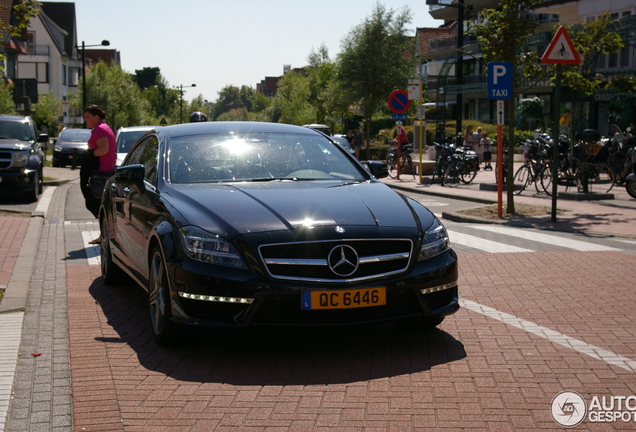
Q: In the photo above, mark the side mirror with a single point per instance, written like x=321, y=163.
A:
x=378, y=169
x=131, y=174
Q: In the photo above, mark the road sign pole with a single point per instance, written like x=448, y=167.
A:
x=499, y=167
x=555, y=142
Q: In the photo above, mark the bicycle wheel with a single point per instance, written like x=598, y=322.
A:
x=451, y=174
x=391, y=166
x=469, y=171
x=408, y=161
x=521, y=178
x=565, y=180
x=600, y=178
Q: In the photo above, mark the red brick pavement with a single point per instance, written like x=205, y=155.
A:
x=13, y=230
x=473, y=373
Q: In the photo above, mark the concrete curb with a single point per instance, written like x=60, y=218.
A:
x=17, y=292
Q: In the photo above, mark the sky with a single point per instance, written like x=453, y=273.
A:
x=216, y=43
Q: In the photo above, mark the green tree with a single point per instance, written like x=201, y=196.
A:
x=46, y=113
x=292, y=100
x=147, y=77
x=502, y=35
x=231, y=98
x=590, y=41
x=375, y=60
x=7, y=106
x=163, y=101
x=321, y=72
x=116, y=92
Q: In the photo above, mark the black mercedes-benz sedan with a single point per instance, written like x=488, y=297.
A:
x=243, y=224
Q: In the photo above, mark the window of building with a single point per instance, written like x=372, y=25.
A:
x=30, y=42
x=39, y=71
x=64, y=71
x=73, y=76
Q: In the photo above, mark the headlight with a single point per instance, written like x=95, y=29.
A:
x=209, y=248
x=435, y=241
x=58, y=148
x=19, y=159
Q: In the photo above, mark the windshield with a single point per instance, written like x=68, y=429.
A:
x=258, y=157
x=15, y=130
x=126, y=139
x=75, y=135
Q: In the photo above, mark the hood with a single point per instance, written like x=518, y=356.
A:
x=232, y=209
x=13, y=144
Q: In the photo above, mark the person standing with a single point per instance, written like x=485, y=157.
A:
x=477, y=135
x=485, y=144
x=349, y=137
x=101, y=155
x=469, y=138
x=357, y=142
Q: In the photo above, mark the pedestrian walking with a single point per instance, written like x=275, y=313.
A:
x=101, y=156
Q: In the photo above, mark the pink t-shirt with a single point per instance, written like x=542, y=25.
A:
x=109, y=160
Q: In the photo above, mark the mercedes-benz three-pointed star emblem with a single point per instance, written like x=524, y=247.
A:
x=343, y=260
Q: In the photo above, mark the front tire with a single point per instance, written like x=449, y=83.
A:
x=111, y=273
x=165, y=331
x=521, y=178
x=630, y=186
x=469, y=172
x=34, y=194
x=391, y=166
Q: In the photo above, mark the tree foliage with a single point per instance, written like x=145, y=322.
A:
x=375, y=60
x=116, y=92
x=7, y=106
x=46, y=113
x=22, y=12
x=292, y=99
x=590, y=41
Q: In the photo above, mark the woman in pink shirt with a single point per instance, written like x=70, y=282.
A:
x=101, y=154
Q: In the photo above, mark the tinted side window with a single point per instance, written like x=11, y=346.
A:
x=146, y=153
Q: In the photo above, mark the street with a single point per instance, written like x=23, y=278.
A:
x=542, y=313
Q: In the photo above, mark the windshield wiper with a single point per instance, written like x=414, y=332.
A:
x=265, y=179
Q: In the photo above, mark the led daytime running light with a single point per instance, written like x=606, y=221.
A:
x=218, y=299
x=438, y=288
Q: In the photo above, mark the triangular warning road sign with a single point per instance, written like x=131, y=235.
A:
x=561, y=49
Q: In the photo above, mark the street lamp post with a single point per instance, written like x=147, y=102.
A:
x=181, y=86
x=83, y=48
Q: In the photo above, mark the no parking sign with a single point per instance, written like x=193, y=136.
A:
x=399, y=101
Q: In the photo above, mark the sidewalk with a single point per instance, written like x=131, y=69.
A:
x=614, y=217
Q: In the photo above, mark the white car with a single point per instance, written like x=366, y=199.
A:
x=126, y=137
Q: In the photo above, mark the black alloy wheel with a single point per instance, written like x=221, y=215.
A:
x=111, y=273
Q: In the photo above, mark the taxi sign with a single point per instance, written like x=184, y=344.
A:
x=499, y=80
x=561, y=50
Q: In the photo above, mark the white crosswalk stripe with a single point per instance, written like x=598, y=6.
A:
x=535, y=236
x=483, y=244
x=92, y=251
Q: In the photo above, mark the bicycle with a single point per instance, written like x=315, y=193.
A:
x=533, y=169
x=460, y=166
x=405, y=155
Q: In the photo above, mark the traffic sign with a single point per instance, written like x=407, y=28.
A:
x=500, y=113
x=399, y=101
x=398, y=117
x=499, y=80
x=561, y=50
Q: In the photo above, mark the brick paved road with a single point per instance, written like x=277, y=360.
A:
x=474, y=372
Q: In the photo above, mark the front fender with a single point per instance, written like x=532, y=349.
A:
x=34, y=163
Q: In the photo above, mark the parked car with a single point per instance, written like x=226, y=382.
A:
x=71, y=143
x=126, y=137
x=241, y=224
x=21, y=156
x=342, y=141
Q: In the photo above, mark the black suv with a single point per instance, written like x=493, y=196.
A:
x=21, y=156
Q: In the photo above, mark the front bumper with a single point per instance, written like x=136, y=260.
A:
x=21, y=180
x=279, y=303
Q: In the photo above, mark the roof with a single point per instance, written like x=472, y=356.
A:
x=63, y=15
x=200, y=128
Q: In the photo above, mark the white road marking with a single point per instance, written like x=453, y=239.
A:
x=92, y=251
x=533, y=235
x=553, y=336
x=482, y=244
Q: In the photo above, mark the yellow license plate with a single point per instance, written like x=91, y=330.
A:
x=344, y=299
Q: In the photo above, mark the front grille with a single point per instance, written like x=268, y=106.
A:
x=229, y=313
x=337, y=260
x=286, y=309
x=5, y=160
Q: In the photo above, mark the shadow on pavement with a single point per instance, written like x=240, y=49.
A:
x=274, y=355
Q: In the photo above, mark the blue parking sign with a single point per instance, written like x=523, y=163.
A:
x=499, y=80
